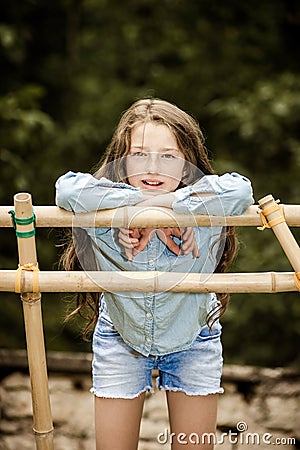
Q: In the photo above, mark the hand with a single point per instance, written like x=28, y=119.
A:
x=136, y=240
x=187, y=236
x=129, y=238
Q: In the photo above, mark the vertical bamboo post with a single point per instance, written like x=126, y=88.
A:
x=42, y=420
x=274, y=215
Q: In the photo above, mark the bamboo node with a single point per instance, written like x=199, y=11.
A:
x=273, y=281
x=35, y=280
x=269, y=210
x=43, y=434
x=297, y=280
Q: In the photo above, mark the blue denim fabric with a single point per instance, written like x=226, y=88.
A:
x=120, y=372
x=166, y=322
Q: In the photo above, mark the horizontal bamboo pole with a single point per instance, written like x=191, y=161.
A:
x=52, y=281
x=52, y=216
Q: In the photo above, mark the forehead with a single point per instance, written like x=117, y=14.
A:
x=153, y=134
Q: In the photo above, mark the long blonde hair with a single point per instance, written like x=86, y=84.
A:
x=190, y=141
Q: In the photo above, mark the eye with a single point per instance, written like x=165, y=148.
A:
x=139, y=154
x=168, y=156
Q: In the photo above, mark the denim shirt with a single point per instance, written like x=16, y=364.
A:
x=164, y=322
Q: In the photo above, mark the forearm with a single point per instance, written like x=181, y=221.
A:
x=162, y=200
x=228, y=194
x=81, y=192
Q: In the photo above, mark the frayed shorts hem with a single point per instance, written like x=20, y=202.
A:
x=191, y=394
x=147, y=389
x=150, y=390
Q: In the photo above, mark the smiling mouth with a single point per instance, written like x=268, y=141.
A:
x=152, y=183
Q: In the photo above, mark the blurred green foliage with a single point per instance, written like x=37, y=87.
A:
x=68, y=70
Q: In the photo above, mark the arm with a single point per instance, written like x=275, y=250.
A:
x=226, y=195
x=81, y=192
x=229, y=194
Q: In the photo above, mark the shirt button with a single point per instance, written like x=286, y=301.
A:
x=148, y=339
x=148, y=315
x=151, y=262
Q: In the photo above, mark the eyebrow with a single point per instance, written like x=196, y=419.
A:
x=168, y=149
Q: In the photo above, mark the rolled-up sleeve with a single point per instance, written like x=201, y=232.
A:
x=81, y=192
x=227, y=195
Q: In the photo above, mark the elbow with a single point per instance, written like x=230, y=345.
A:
x=238, y=196
x=62, y=197
x=244, y=198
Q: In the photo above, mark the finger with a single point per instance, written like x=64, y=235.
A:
x=170, y=231
x=130, y=232
x=129, y=254
x=196, y=252
x=126, y=232
x=134, y=232
x=172, y=246
x=146, y=236
x=166, y=238
x=126, y=240
x=162, y=234
x=189, y=243
x=134, y=238
x=186, y=232
x=177, y=232
x=129, y=238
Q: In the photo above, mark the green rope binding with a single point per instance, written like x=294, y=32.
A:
x=26, y=221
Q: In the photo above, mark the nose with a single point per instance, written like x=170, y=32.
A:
x=152, y=162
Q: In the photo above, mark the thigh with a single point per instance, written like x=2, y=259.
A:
x=117, y=422
x=192, y=420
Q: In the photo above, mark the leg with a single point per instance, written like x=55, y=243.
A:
x=117, y=422
x=192, y=415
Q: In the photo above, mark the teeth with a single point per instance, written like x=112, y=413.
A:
x=152, y=183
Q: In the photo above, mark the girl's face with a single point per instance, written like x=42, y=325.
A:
x=154, y=161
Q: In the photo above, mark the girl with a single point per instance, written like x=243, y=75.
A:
x=156, y=158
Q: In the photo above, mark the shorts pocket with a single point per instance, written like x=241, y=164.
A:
x=105, y=328
x=209, y=334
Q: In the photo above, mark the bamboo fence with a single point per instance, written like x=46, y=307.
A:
x=30, y=282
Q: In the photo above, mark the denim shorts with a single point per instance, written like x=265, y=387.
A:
x=121, y=372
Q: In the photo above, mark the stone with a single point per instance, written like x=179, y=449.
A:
x=281, y=412
x=273, y=407
x=24, y=441
x=16, y=381
x=16, y=404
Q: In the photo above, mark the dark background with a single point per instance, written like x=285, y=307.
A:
x=69, y=68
